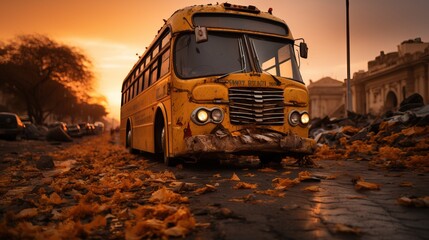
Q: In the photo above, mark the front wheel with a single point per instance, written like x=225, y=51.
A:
x=162, y=148
x=130, y=142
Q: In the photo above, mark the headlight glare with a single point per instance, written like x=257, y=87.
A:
x=305, y=118
x=202, y=115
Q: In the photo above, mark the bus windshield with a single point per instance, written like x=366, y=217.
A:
x=226, y=53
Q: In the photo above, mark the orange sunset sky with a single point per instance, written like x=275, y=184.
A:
x=111, y=32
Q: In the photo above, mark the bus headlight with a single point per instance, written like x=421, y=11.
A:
x=217, y=115
x=296, y=118
x=305, y=118
x=202, y=115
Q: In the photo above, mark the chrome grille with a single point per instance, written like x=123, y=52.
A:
x=261, y=106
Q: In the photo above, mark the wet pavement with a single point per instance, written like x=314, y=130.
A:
x=335, y=211
x=240, y=201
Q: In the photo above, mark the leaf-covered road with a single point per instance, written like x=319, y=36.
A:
x=110, y=194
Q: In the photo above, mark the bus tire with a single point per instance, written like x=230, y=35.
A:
x=161, y=144
x=129, y=142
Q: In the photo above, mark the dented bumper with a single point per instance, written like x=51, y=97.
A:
x=250, y=141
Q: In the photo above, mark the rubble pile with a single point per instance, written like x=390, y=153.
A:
x=396, y=140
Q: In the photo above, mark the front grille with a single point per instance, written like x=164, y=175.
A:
x=260, y=106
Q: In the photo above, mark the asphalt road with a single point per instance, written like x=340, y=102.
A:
x=233, y=200
x=331, y=208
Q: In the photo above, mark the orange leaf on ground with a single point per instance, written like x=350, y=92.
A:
x=244, y=185
x=271, y=192
x=414, y=202
x=267, y=170
x=207, y=188
x=311, y=189
x=284, y=183
x=362, y=185
x=304, y=175
x=97, y=222
x=164, y=195
x=27, y=213
x=342, y=228
x=234, y=177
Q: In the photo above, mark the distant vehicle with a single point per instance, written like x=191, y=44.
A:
x=61, y=125
x=87, y=128
x=73, y=130
x=11, y=126
x=99, y=127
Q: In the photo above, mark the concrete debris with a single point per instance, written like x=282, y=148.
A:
x=412, y=112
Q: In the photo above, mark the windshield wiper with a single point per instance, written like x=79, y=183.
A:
x=242, y=60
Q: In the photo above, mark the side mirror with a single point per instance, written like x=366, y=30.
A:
x=201, y=34
x=303, y=50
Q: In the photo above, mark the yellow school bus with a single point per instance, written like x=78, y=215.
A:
x=218, y=81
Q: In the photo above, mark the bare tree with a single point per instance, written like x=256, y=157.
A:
x=44, y=73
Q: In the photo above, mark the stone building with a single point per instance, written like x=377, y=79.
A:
x=392, y=77
x=326, y=98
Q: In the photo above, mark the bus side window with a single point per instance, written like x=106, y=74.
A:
x=154, y=73
x=165, y=40
x=140, y=83
x=128, y=95
x=146, y=78
x=165, y=63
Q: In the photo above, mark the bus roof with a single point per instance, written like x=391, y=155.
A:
x=182, y=20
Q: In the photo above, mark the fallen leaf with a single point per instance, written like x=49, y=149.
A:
x=304, y=175
x=207, y=188
x=164, y=195
x=311, y=189
x=249, y=175
x=217, y=175
x=363, y=185
x=244, y=185
x=414, y=201
x=331, y=177
x=234, y=177
x=26, y=213
x=271, y=192
x=267, y=170
x=284, y=183
x=342, y=228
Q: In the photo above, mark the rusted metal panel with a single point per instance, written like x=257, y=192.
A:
x=249, y=140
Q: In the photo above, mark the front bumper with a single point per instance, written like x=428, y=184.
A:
x=250, y=141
